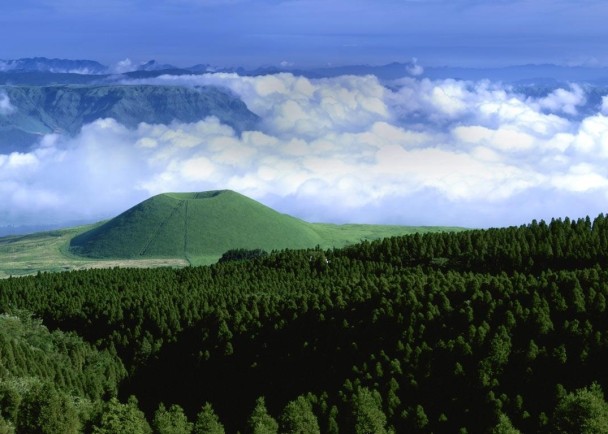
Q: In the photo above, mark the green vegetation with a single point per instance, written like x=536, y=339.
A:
x=502, y=330
x=198, y=226
x=51, y=382
x=178, y=229
x=48, y=251
x=189, y=225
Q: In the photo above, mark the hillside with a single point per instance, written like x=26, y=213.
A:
x=47, y=252
x=481, y=331
x=194, y=224
x=198, y=226
x=65, y=109
x=177, y=230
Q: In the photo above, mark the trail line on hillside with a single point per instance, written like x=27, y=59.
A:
x=160, y=227
x=186, y=230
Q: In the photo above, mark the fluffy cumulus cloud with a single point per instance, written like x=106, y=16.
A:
x=413, y=151
x=5, y=104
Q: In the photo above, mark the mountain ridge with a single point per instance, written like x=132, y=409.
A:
x=39, y=110
x=46, y=71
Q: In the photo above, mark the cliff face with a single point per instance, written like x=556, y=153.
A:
x=39, y=110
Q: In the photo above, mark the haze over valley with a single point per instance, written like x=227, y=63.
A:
x=393, y=144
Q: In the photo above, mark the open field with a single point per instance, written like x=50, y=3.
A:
x=177, y=230
x=343, y=235
x=47, y=251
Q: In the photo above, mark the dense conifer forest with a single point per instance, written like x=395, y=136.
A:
x=485, y=331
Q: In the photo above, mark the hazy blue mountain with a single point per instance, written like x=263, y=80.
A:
x=522, y=74
x=153, y=65
x=59, y=95
x=537, y=73
x=42, y=78
x=201, y=68
x=41, y=110
x=42, y=64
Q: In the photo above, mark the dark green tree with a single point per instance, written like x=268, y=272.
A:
x=44, y=410
x=260, y=422
x=122, y=418
x=6, y=427
x=583, y=411
x=207, y=422
x=367, y=412
x=171, y=421
x=332, y=421
x=504, y=426
x=9, y=401
x=298, y=418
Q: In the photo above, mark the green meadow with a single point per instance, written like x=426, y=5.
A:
x=48, y=252
x=180, y=229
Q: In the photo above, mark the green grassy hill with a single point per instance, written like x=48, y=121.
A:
x=174, y=230
x=193, y=225
x=201, y=226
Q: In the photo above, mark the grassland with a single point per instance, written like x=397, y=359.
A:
x=179, y=229
x=194, y=226
x=48, y=252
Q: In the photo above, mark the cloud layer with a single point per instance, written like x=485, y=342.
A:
x=345, y=149
x=5, y=104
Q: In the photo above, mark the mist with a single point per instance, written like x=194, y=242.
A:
x=346, y=149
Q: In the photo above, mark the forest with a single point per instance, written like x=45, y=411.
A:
x=481, y=331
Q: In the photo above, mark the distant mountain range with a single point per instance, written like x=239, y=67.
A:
x=40, y=70
x=42, y=64
x=59, y=95
x=65, y=109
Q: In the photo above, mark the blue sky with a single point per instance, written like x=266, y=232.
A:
x=342, y=149
x=308, y=32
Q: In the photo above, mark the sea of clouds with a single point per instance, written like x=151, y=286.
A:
x=345, y=149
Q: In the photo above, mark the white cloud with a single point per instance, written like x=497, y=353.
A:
x=297, y=106
x=123, y=66
x=5, y=104
x=340, y=149
x=604, y=108
x=414, y=68
x=562, y=100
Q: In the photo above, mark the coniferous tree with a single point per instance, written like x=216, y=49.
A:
x=171, y=421
x=207, y=422
x=9, y=401
x=298, y=418
x=44, y=410
x=260, y=422
x=504, y=426
x=122, y=418
x=367, y=413
x=583, y=411
x=6, y=427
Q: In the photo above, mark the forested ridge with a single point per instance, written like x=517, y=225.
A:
x=479, y=331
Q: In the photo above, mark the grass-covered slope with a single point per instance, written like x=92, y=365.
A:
x=180, y=229
x=194, y=225
x=200, y=227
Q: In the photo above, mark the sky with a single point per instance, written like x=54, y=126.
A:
x=412, y=151
x=308, y=32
